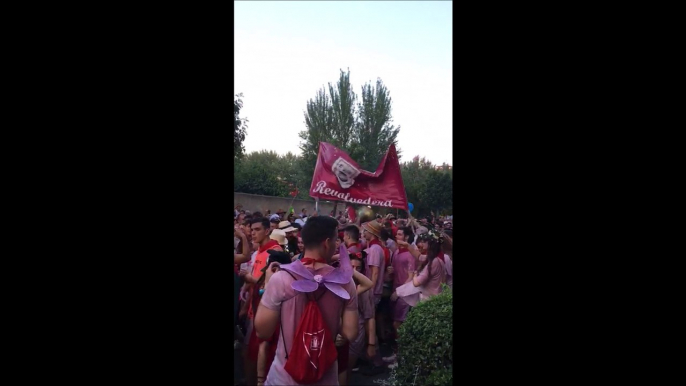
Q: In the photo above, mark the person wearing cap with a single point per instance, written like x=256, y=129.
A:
x=280, y=212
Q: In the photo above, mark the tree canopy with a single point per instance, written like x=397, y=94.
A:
x=239, y=128
x=361, y=129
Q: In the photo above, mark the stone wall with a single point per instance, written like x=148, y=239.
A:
x=255, y=202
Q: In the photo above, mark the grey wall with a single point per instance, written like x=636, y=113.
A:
x=254, y=202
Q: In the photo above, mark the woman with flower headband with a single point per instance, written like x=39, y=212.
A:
x=431, y=274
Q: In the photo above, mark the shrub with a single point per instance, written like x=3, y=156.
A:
x=425, y=343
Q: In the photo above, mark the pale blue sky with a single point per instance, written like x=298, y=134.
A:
x=287, y=50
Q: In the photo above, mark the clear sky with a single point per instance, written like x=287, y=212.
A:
x=285, y=51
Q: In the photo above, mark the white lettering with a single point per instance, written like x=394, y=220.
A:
x=321, y=188
x=320, y=185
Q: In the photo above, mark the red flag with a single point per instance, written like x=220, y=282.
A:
x=338, y=177
x=351, y=213
x=294, y=193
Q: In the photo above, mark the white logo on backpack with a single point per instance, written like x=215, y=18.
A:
x=315, y=343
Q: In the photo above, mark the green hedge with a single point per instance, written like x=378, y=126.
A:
x=425, y=344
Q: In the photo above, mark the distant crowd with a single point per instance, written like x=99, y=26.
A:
x=385, y=254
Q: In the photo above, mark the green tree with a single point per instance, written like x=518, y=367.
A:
x=414, y=174
x=373, y=130
x=437, y=191
x=363, y=130
x=343, y=108
x=261, y=173
x=270, y=174
x=239, y=128
x=294, y=174
x=330, y=117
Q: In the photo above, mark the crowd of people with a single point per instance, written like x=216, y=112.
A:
x=384, y=253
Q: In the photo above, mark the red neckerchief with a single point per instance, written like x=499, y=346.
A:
x=402, y=250
x=386, y=252
x=269, y=244
x=354, y=244
x=309, y=260
x=375, y=241
x=441, y=256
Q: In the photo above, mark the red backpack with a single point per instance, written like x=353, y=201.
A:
x=313, y=350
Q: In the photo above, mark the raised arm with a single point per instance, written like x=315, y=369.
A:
x=365, y=282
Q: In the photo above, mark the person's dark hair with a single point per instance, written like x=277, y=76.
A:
x=275, y=221
x=318, y=229
x=449, y=232
x=293, y=246
x=385, y=234
x=257, y=215
x=353, y=232
x=361, y=256
x=407, y=231
x=246, y=222
x=296, y=226
x=433, y=250
x=263, y=220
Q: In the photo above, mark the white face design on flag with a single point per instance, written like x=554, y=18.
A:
x=345, y=172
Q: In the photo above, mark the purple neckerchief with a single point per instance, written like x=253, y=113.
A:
x=333, y=280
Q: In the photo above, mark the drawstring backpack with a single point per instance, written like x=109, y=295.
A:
x=314, y=351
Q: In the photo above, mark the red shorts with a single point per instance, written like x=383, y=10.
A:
x=343, y=354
